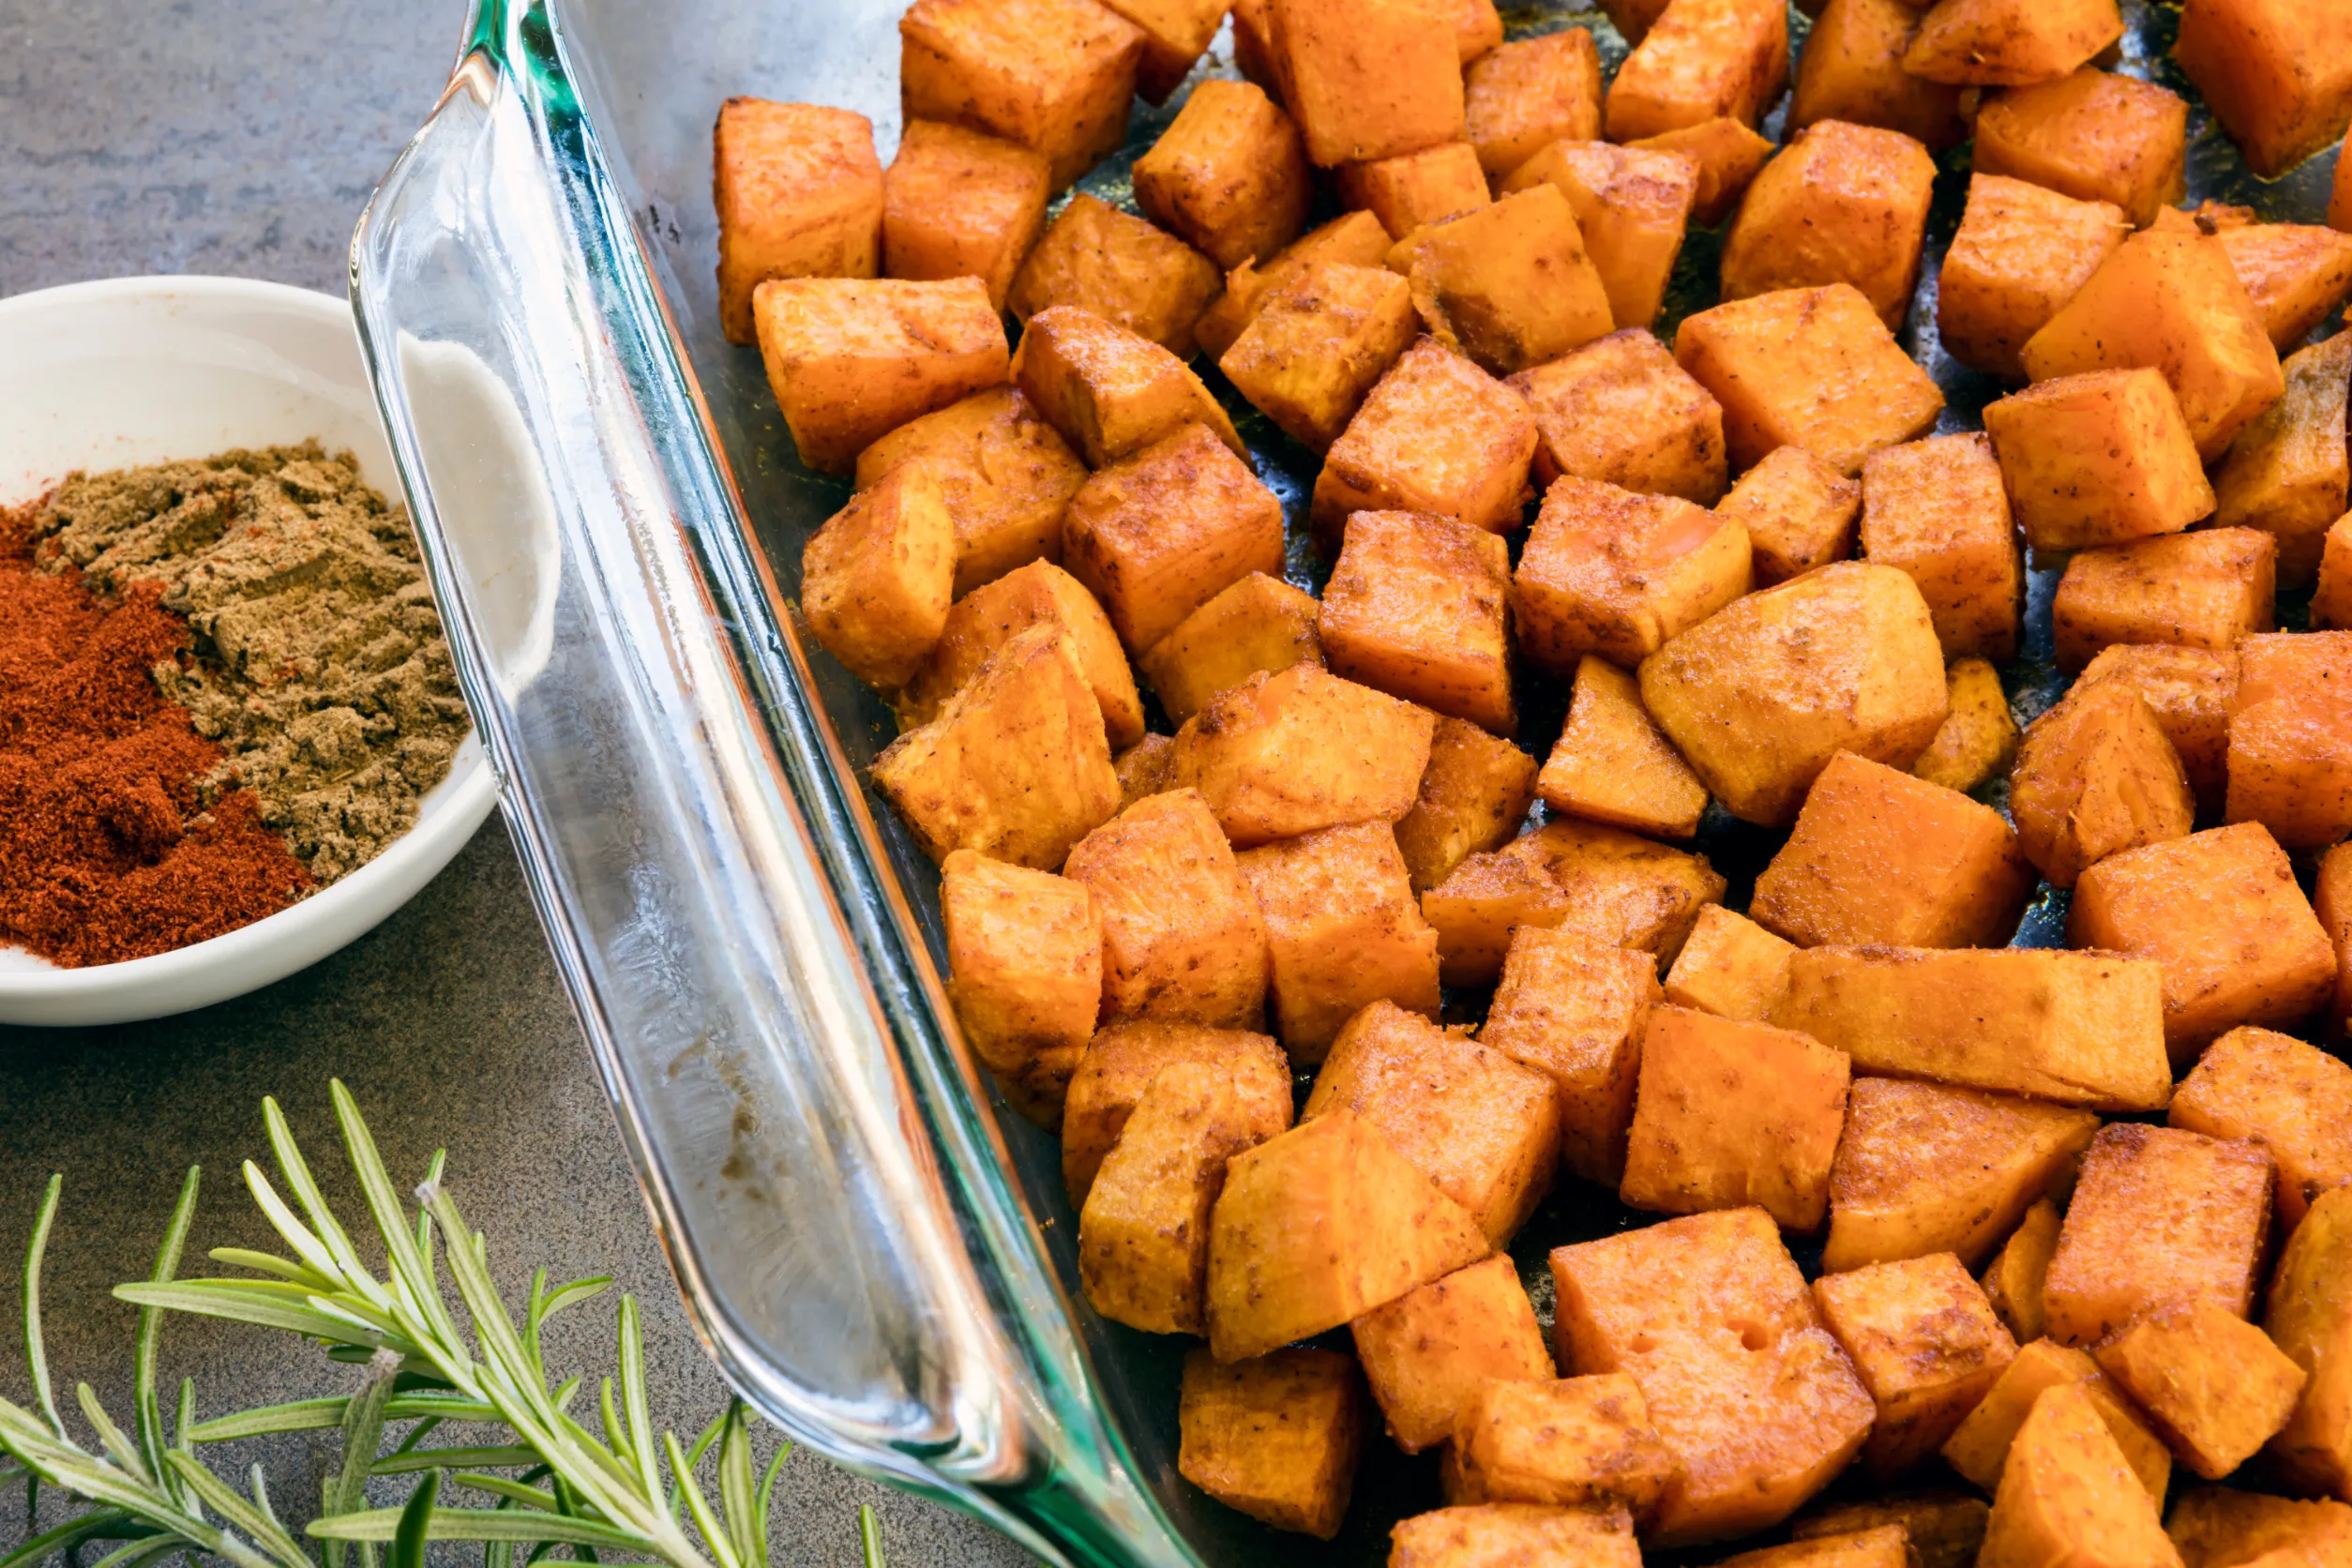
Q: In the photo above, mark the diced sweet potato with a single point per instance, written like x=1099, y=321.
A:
x=2021, y=252
x=2190, y=691
x=2082, y=1029
x=1572, y=1442
x=1276, y=1437
x=1318, y=344
x=1025, y=973
x=1510, y=285
x=2099, y=459
x=1472, y=797
x=1120, y=1064
x=1429, y=1353
x=1117, y=266
x=1039, y=594
x=1054, y=75
x=1810, y=367
x=852, y=359
x=2210, y=588
x=2212, y=1383
x=1531, y=93
x=1981, y=1447
x=2309, y=1317
x=1937, y=510
x=1711, y=1318
x=1259, y=626
x=1015, y=767
x=958, y=204
x=1182, y=937
x=2291, y=737
x=1505, y=1532
x=2278, y=75
x=1412, y=188
x=2287, y=474
x=1144, y=768
x=1611, y=572
x=1004, y=473
x=1632, y=19
x=1620, y=411
x=874, y=580
x=1884, y=1546
x=1355, y=239
x=1176, y=33
x=2009, y=43
x=2222, y=913
x=1160, y=533
x=1943, y=1528
x=2297, y=274
x=1574, y=1010
x=2067, y=1494
x=1843, y=204
x=1730, y=967
x=1925, y=1168
x=2293, y=1099
x=1612, y=765
x=2092, y=135
x=2217, y=1527
x=2020, y=1269
x=1435, y=434
x=1799, y=512
x=1477, y=29
x=1729, y=153
x=1368, y=78
x=1700, y=59
x=1284, y=754
x=1318, y=1226
x=1632, y=205
x=799, y=194
x=1342, y=929
x=1419, y=607
x=1109, y=391
x=1851, y=70
x=1927, y=1347
x=1978, y=738
x=2159, y=1216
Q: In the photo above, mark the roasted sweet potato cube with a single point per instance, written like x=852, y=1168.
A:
x=2190, y=691
x=1117, y=266
x=1120, y=1064
x=1810, y=367
x=1620, y=411
x=1004, y=473
x=1229, y=175
x=1501, y=1533
x=1632, y=19
x=1473, y=796
x=1730, y=967
x=1981, y=1446
x=1112, y=392
x=2159, y=1216
x=1025, y=973
x=1412, y=188
x=1925, y=1168
x=1979, y=740
x=1354, y=240
x=1486, y=899
x=1510, y=285
x=2309, y=1315
x=2009, y=43
x=1429, y=1353
x=1612, y=765
x=2067, y=1493
x=960, y=203
x=2020, y=253
x=2099, y=459
x=1937, y=510
x=1144, y=768
x=1711, y=1318
x=2081, y=1029
x=850, y=360
x=2287, y=474
x=1259, y=626
x=1419, y=607
x=2212, y=1383
x=1799, y=512
x=1575, y=1009
x=1633, y=206
x=1182, y=937
x=2291, y=737
x=1040, y=594
x=1883, y=1547
x=1728, y=152
x=1368, y=78
x=1477, y=30
x=874, y=580
x=1284, y=754
x=1611, y=572
x=2297, y=274
x=2293, y=1099
x=1015, y=767
x=1318, y=1226
x=1761, y=695
x=799, y=194
x=2013, y=1282
x=1851, y=70
x=1437, y=434
x=1572, y=1442
x=1528, y=94
x=2209, y=589
x=1276, y=1437
x=2214, y=1526
x=1700, y=59
x=1343, y=930
x=1158, y=534
x=1318, y=344
x=1054, y=75
x=1176, y=33
x=1943, y=1528
x=1926, y=1344
x=2278, y=75
x=1843, y=204
x=2092, y=135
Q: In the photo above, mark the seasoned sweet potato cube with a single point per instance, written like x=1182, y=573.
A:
x=1632, y=19
x=2309, y=1315
x=1979, y=740
x=1342, y=932
x=1632, y=205
x=1318, y=1226
x=1711, y=1318
x=874, y=580
x=1112, y=392
x=1501, y=1533
x=1851, y=70
x=1276, y=1437
x=2013, y=1282
x=1182, y=937
x=2278, y=75
x=1054, y=75
x=1981, y=1446
x=1176, y=33
x=1120, y=1064
x=1700, y=59
x=2210, y=588
x=1575, y=1009
x=2190, y=691
x=2291, y=737
x=1761, y=695
x=1612, y=765
x=1572, y=1442
x=1884, y=1546
x=1437, y=434
x=1015, y=767
x=1926, y=1344
x=799, y=194
x=1004, y=473
x=1429, y=1353
x=1730, y=967
x=1510, y=285
x=2293, y=1099
x=1621, y=412
x=2099, y=459
x=1937, y=510
x=1943, y=1528
x=2287, y=474
x=1144, y=768
x=1229, y=175
x=1473, y=796
x=2096, y=776
x=1412, y=188
x=1318, y=344
x=1368, y=78
x=1117, y=266
x=1354, y=240
x=2297, y=274
x=2082, y=1029
x=1025, y=973
x=958, y=204
x=2159, y=1216
x=1528, y=94
x=1040, y=594
x=1284, y=754
x=1259, y=626
x=2214, y=1526
x=1799, y=512
x=2009, y=43
x=1419, y=607
x=2067, y=1493
x=1477, y=30
x=1728, y=152
x=2211, y=1382
x=1158, y=534
x=1611, y=572
x=2021, y=252
x=1810, y=367
x=1843, y=204
x=2092, y=135
x=1925, y=1168
x=850, y=360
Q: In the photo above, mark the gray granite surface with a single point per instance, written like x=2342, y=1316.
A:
x=242, y=137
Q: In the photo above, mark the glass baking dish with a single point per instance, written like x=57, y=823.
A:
x=878, y=1255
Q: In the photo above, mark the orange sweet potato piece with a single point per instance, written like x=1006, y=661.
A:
x=1182, y=937
x=1514, y=1532
x=1259, y=626
x=2093, y=135
x=1284, y=754
x=1419, y=607
x=2211, y=1382
x=1938, y=510
x=1276, y=1437
x=1410, y=189
x=1342, y=931
x=1621, y=412
x=1633, y=206
x=2213, y=1526
x=958, y=204
x=1730, y=967
x=1510, y=285
x=1942, y=1528
x=1472, y=797
x=2190, y=691
x=1979, y=740
x=1435, y=434
x=2067, y=1492
x=1318, y=344
x=1039, y=594
x=2210, y=588
x=798, y=193
x=2291, y=737
x=2293, y=1099
x=1354, y=240
x=852, y=359
x=1842, y=204
x=874, y=580
x=2009, y=43
x=1120, y=1064
x=2099, y=459
x=1004, y=473
x=1798, y=511
x=2021, y=252
x=1574, y=1010
x=1368, y=78
x=2278, y=75
x=2095, y=776
x=1851, y=70
x=1025, y=973
x=2013, y=1282
x=1531, y=93
x=1926, y=1344
x=2286, y=473
x=1054, y=75
x=1571, y=1442
x=1121, y=268
x=1700, y=58
x=1612, y=765
x=1610, y=572
x=1729, y=153
x=1429, y=1353
x=1109, y=391
x=1981, y=1446
x=2309, y=1315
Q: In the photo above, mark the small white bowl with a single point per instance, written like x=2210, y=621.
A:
x=144, y=370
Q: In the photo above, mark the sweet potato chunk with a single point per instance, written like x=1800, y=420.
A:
x=1355, y=239
x=1981, y=1446
x=2093, y=135
x=1429, y=1353
x=2081, y=1029
x=874, y=580
x=1318, y=344
x=1851, y=70
x=2067, y=1494
x=2278, y=75
x=1800, y=513
x=2190, y=691
x=1884, y=1546
x=1728, y=152
x=1025, y=973
x=1810, y=367
x=958, y=203
x=1927, y=1347
x=1120, y=1064
x=1572, y=1442
x=2209, y=589
x=1632, y=205
x=1711, y=1319
x=1612, y=765
x=1182, y=937
x=1508, y=1532
x=2021, y=252
x=1528, y=94
x=1412, y=188
x=1621, y=412
x=1284, y=754
x=1730, y=967
x=799, y=194
x=2020, y=1269
x=852, y=359
x=1435, y=434
x=1700, y=59
x=1574, y=1010
x=1054, y=75
x=1117, y=266
x=2096, y=776
x=1944, y=1528
x=1473, y=796
x=1610, y=572
x=2099, y=459
x=1004, y=473
x=1276, y=1437
x=1144, y=768
x=1978, y=738
x=1937, y=510
x=1039, y=594
x=2287, y=474
x=1176, y=33
x=1418, y=606
x=2215, y=1527
x=1368, y=78
x=1510, y=285
x=2293, y=1099
x=2309, y=1317
x=1924, y=1167
x=2297, y=274
x=2009, y=43
x=1843, y=204
x=1109, y=391
x=1342, y=932
x=2212, y=1383
x=2291, y=737
x=1259, y=626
